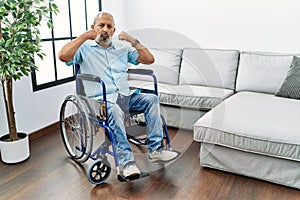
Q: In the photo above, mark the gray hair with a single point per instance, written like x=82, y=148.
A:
x=104, y=13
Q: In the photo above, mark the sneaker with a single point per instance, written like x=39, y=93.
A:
x=162, y=155
x=131, y=169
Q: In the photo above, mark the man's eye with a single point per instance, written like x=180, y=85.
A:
x=109, y=26
x=101, y=25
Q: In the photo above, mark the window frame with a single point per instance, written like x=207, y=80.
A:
x=56, y=82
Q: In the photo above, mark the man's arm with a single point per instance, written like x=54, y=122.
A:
x=66, y=54
x=145, y=56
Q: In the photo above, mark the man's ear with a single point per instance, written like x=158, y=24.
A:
x=92, y=26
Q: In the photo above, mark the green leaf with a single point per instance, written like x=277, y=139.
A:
x=20, y=34
x=8, y=42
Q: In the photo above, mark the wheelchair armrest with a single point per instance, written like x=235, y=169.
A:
x=92, y=78
x=148, y=72
x=88, y=77
x=141, y=71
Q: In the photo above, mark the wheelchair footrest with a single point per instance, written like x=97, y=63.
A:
x=132, y=178
x=137, y=141
x=136, y=130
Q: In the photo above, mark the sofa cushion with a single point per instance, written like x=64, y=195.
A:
x=188, y=96
x=262, y=72
x=291, y=85
x=166, y=66
x=254, y=122
x=209, y=67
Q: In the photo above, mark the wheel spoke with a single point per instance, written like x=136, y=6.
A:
x=76, y=128
x=99, y=171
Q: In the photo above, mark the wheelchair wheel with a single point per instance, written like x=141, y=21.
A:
x=99, y=171
x=76, y=128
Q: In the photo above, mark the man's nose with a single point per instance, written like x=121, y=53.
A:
x=105, y=28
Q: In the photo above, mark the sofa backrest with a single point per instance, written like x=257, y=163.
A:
x=209, y=67
x=166, y=66
x=262, y=72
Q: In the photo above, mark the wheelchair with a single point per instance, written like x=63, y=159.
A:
x=80, y=119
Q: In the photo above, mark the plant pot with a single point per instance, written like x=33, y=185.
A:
x=14, y=151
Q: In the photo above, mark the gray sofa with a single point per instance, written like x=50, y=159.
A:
x=190, y=81
x=227, y=97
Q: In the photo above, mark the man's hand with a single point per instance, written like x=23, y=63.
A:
x=90, y=34
x=68, y=51
x=125, y=36
x=145, y=56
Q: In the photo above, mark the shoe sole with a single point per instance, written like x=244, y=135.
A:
x=131, y=175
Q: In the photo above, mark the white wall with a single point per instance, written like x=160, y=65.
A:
x=34, y=110
x=268, y=25
x=117, y=9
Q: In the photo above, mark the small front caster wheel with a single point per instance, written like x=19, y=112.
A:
x=99, y=171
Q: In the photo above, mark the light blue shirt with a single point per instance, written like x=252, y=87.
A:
x=109, y=64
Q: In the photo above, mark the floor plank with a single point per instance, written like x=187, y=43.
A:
x=50, y=174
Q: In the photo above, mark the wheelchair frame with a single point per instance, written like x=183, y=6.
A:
x=77, y=129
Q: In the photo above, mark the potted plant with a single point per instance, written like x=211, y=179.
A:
x=19, y=42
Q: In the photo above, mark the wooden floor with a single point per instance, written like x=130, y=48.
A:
x=50, y=174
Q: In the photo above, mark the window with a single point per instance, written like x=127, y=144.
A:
x=75, y=17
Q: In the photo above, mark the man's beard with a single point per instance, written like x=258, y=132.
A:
x=104, y=39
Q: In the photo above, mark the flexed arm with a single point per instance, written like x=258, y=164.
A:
x=66, y=54
x=145, y=56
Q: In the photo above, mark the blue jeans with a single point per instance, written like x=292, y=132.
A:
x=146, y=103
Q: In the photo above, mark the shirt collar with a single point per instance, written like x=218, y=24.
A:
x=93, y=43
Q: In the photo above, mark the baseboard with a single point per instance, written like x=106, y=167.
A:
x=43, y=131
